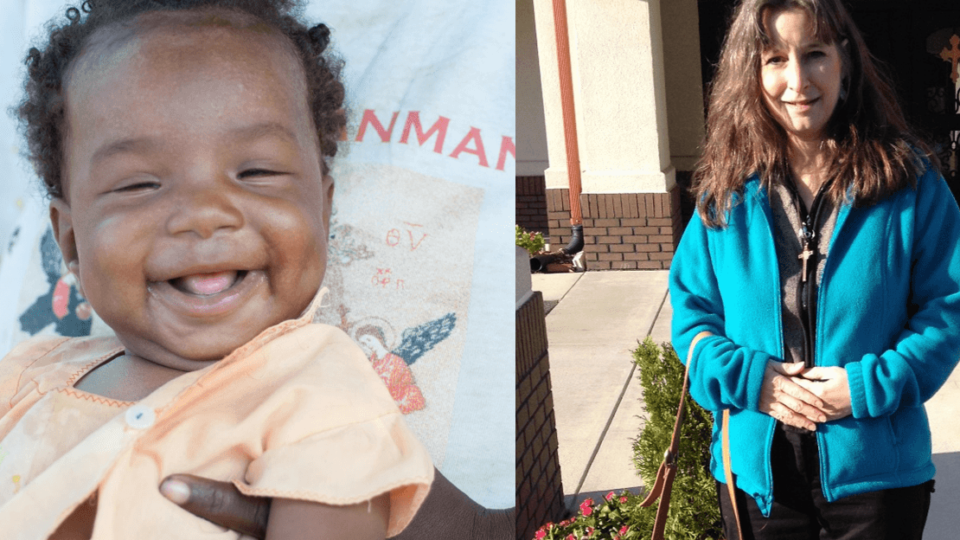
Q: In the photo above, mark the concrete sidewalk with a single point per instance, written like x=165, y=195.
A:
x=596, y=322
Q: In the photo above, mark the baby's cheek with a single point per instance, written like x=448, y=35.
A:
x=110, y=268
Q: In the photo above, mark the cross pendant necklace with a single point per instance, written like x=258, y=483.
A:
x=805, y=256
x=806, y=235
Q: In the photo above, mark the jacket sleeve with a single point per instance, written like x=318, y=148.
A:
x=722, y=374
x=928, y=347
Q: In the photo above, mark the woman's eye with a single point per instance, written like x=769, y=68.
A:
x=816, y=54
x=773, y=60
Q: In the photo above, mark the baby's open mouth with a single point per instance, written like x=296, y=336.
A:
x=208, y=284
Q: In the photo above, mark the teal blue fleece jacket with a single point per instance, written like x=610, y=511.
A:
x=888, y=311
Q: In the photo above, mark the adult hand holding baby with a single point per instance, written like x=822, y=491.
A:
x=446, y=513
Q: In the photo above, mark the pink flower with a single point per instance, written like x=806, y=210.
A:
x=586, y=507
x=541, y=534
x=623, y=499
x=589, y=531
x=616, y=537
x=571, y=537
x=609, y=496
x=624, y=529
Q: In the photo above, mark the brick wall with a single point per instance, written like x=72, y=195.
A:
x=558, y=217
x=630, y=231
x=621, y=231
x=531, y=203
x=539, y=488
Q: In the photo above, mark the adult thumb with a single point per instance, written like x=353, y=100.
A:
x=792, y=368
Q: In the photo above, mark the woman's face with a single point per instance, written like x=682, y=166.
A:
x=800, y=76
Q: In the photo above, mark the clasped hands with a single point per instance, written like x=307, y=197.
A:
x=802, y=397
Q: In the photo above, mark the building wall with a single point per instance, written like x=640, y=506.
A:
x=532, y=157
x=639, y=108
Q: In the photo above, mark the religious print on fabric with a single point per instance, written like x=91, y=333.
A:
x=61, y=305
x=399, y=281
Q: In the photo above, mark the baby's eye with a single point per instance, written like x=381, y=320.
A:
x=139, y=186
x=256, y=172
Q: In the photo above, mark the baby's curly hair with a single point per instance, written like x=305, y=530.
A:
x=41, y=112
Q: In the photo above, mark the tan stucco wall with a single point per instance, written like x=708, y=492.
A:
x=532, y=158
x=556, y=175
x=681, y=55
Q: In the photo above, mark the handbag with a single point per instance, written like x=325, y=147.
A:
x=668, y=468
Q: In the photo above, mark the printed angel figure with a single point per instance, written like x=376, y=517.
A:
x=394, y=366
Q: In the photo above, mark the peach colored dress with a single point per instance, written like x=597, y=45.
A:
x=298, y=412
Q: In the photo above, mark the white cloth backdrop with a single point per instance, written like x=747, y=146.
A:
x=421, y=238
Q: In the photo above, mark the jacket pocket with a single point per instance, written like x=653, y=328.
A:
x=912, y=432
x=855, y=450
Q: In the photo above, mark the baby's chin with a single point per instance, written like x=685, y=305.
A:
x=188, y=354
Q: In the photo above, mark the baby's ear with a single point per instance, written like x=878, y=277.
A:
x=61, y=220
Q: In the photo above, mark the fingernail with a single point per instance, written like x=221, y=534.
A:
x=175, y=490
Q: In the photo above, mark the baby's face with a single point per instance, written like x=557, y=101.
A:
x=195, y=206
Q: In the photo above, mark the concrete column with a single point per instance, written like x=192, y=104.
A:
x=681, y=55
x=619, y=91
x=531, y=138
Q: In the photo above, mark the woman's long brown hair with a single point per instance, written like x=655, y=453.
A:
x=872, y=152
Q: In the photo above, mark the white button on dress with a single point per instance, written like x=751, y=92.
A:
x=140, y=417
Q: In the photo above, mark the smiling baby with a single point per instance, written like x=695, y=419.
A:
x=186, y=148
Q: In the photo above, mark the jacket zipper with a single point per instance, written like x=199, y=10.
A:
x=809, y=240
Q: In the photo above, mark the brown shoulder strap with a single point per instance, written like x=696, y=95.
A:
x=728, y=471
x=668, y=468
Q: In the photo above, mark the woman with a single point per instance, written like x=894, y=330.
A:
x=819, y=282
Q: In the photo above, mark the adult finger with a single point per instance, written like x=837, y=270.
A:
x=815, y=374
x=787, y=368
x=783, y=385
x=218, y=502
x=835, y=394
x=812, y=413
x=791, y=418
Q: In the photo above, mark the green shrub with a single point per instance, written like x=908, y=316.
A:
x=694, y=513
x=532, y=242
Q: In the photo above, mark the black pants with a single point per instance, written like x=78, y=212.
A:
x=800, y=510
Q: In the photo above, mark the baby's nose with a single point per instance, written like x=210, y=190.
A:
x=205, y=209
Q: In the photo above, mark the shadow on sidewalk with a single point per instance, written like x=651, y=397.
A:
x=942, y=520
